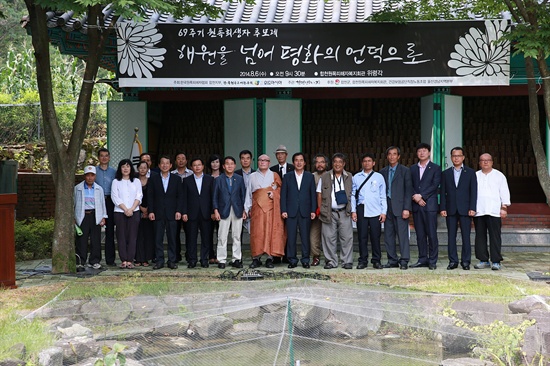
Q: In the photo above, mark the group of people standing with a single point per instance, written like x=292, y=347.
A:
x=279, y=202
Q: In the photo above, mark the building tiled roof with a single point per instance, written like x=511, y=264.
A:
x=262, y=11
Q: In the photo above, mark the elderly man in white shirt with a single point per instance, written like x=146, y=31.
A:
x=493, y=199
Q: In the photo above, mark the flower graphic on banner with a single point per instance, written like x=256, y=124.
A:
x=477, y=53
x=137, y=54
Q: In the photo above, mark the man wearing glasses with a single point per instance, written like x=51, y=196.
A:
x=493, y=199
x=458, y=204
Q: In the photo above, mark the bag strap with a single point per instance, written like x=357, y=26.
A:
x=361, y=186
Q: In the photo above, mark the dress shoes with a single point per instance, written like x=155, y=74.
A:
x=269, y=263
x=221, y=265
x=328, y=266
x=348, y=266
x=418, y=265
x=204, y=264
x=361, y=266
x=466, y=267
x=171, y=265
x=377, y=265
x=191, y=265
x=255, y=263
x=277, y=260
x=305, y=265
x=315, y=261
x=158, y=266
x=237, y=264
x=403, y=266
x=391, y=265
x=291, y=265
x=452, y=265
x=432, y=267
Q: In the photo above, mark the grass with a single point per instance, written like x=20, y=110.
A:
x=32, y=333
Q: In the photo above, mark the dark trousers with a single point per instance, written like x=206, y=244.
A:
x=292, y=225
x=214, y=246
x=425, y=225
x=126, y=235
x=110, y=231
x=395, y=226
x=162, y=226
x=193, y=227
x=492, y=225
x=93, y=232
x=465, y=230
x=145, y=250
x=180, y=225
x=368, y=226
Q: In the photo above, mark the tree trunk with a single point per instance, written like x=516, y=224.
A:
x=534, y=129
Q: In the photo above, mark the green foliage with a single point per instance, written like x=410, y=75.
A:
x=112, y=356
x=501, y=342
x=33, y=334
x=33, y=239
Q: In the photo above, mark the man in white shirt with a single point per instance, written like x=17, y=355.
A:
x=282, y=167
x=493, y=199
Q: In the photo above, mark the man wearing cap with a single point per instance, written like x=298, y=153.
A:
x=282, y=167
x=262, y=204
x=90, y=214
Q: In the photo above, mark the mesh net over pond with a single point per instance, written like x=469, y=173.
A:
x=292, y=322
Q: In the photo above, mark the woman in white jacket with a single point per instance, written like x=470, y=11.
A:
x=126, y=194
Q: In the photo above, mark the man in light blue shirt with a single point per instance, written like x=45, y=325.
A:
x=368, y=210
x=104, y=178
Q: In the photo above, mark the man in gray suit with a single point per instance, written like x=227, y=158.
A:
x=399, y=185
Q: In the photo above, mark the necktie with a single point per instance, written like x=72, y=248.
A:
x=281, y=171
x=390, y=181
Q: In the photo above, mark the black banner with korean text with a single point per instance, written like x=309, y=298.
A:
x=313, y=55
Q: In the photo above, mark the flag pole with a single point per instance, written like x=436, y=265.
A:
x=133, y=142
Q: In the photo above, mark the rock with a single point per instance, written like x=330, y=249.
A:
x=61, y=309
x=545, y=344
x=481, y=313
x=457, y=339
x=272, y=322
x=542, y=317
x=20, y=350
x=245, y=331
x=307, y=316
x=531, y=342
x=60, y=323
x=171, y=325
x=274, y=307
x=244, y=314
x=212, y=327
x=133, y=350
x=52, y=356
x=145, y=307
x=530, y=303
x=103, y=311
x=359, y=326
x=76, y=330
x=466, y=362
x=78, y=349
x=91, y=361
x=12, y=362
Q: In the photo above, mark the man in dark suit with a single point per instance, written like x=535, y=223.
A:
x=458, y=204
x=165, y=198
x=245, y=156
x=228, y=204
x=282, y=167
x=426, y=177
x=298, y=206
x=399, y=186
x=197, y=211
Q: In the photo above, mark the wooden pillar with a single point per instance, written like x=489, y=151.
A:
x=7, y=240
